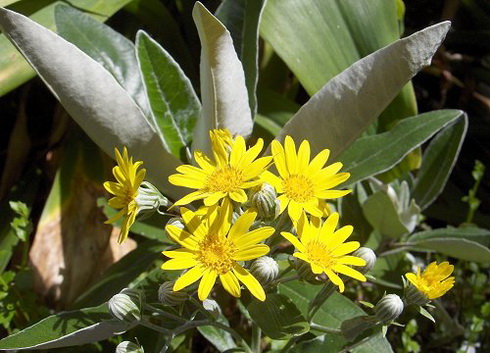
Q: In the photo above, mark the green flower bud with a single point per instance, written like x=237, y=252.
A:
x=367, y=255
x=266, y=203
x=149, y=199
x=265, y=269
x=303, y=269
x=167, y=296
x=125, y=307
x=389, y=308
x=413, y=296
x=129, y=347
x=212, y=307
x=177, y=222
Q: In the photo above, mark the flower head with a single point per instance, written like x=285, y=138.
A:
x=434, y=282
x=304, y=185
x=212, y=248
x=125, y=190
x=324, y=249
x=233, y=170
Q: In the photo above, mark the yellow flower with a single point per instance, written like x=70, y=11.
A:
x=125, y=190
x=324, y=249
x=233, y=170
x=434, y=282
x=212, y=248
x=304, y=185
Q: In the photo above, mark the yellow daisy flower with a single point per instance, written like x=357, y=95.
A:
x=125, y=190
x=212, y=248
x=434, y=282
x=304, y=185
x=324, y=249
x=233, y=170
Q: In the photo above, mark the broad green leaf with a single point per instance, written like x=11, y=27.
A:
x=278, y=317
x=223, y=91
x=112, y=50
x=320, y=344
x=466, y=243
x=343, y=108
x=66, y=329
x=374, y=154
x=5, y=3
x=242, y=18
x=382, y=214
x=438, y=162
x=174, y=104
x=320, y=39
x=92, y=97
x=222, y=340
x=331, y=314
x=120, y=274
x=14, y=70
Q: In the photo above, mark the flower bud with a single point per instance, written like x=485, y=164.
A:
x=367, y=255
x=266, y=202
x=177, y=222
x=413, y=296
x=125, y=307
x=265, y=269
x=389, y=308
x=149, y=199
x=303, y=269
x=167, y=296
x=129, y=347
x=212, y=307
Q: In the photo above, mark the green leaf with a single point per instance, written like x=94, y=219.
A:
x=221, y=339
x=223, y=91
x=92, y=97
x=343, y=108
x=375, y=154
x=438, y=162
x=278, y=317
x=120, y=274
x=66, y=329
x=426, y=314
x=320, y=39
x=14, y=70
x=174, y=104
x=381, y=213
x=466, y=243
x=242, y=18
x=112, y=50
x=331, y=314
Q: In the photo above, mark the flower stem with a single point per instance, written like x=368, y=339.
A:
x=256, y=336
x=319, y=299
x=334, y=331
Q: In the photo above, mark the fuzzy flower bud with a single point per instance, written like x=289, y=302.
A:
x=367, y=255
x=167, y=296
x=149, y=199
x=125, y=307
x=389, y=308
x=265, y=269
x=129, y=347
x=266, y=203
x=177, y=222
x=212, y=307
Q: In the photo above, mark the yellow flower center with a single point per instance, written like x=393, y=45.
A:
x=319, y=254
x=299, y=188
x=216, y=253
x=225, y=179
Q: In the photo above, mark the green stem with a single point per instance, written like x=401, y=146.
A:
x=154, y=327
x=164, y=313
x=288, y=345
x=325, y=329
x=256, y=336
x=282, y=280
x=320, y=299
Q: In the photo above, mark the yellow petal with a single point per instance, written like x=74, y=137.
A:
x=294, y=210
x=303, y=155
x=179, y=264
x=335, y=279
x=346, y=248
x=230, y=284
x=207, y=283
x=182, y=237
x=249, y=281
x=253, y=237
x=242, y=225
x=179, y=253
x=318, y=162
x=279, y=158
x=238, y=196
x=251, y=252
x=191, y=276
x=291, y=157
x=349, y=271
x=293, y=240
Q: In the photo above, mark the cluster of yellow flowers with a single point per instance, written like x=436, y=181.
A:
x=226, y=230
